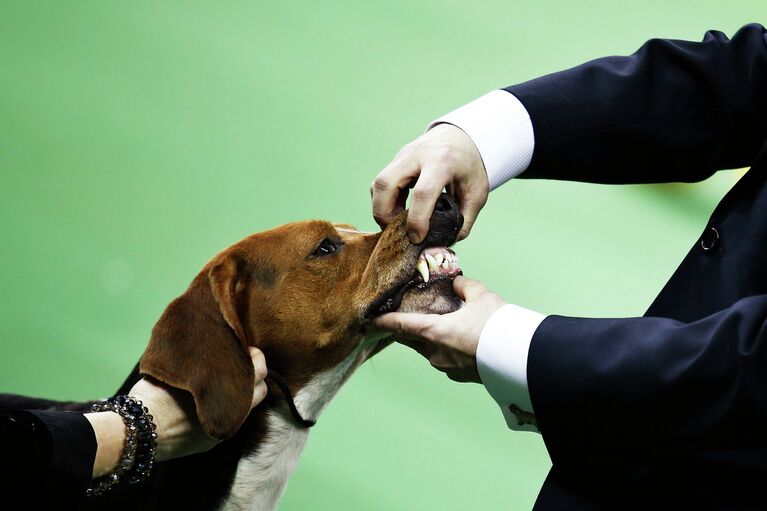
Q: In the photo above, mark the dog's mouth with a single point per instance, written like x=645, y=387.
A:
x=434, y=265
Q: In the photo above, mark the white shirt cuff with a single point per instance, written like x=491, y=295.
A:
x=500, y=127
x=502, y=362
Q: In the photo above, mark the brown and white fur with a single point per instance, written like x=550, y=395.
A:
x=303, y=293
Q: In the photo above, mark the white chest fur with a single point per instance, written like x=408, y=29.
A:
x=261, y=477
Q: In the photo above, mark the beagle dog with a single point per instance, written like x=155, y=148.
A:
x=304, y=293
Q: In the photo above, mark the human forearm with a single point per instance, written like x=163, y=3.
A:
x=650, y=385
x=672, y=111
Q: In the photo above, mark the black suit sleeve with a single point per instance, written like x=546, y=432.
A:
x=673, y=111
x=645, y=387
x=46, y=458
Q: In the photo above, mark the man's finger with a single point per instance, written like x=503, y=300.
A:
x=425, y=194
x=410, y=342
x=389, y=189
x=468, y=289
x=458, y=376
x=470, y=208
x=423, y=349
x=409, y=323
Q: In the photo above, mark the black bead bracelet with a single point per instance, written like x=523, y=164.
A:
x=140, y=444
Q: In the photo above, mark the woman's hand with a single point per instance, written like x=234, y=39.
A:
x=179, y=433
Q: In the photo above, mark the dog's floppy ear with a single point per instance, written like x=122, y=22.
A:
x=199, y=345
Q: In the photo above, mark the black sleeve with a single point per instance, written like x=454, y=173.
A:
x=672, y=111
x=640, y=387
x=47, y=458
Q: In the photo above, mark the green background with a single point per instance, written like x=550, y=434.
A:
x=139, y=138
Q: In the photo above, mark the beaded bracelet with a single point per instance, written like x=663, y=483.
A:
x=140, y=444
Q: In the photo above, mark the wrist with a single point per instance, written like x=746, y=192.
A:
x=500, y=129
x=178, y=430
x=110, y=433
x=136, y=436
x=492, y=302
x=502, y=361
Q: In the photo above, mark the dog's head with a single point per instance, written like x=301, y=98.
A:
x=304, y=294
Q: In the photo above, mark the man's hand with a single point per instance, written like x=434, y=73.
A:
x=448, y=342
x=443, y=157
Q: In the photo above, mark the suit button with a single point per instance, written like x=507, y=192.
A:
x=709, y=240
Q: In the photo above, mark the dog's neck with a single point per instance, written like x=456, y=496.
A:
x=262, y=475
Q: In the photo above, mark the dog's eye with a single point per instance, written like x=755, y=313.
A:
x=327, y=247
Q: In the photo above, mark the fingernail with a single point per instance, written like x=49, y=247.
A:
x=414, y=238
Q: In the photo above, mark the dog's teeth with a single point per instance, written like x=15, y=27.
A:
x=423, y=269
x=446, y=264
x=439, y=258
x=433, y=265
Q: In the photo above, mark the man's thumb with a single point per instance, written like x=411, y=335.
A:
x=404, y=322
x=468, y=289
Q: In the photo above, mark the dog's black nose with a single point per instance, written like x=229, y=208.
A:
x=445, y=222
x=444, y=203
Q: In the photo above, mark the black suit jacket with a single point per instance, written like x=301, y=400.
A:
x=666, y=411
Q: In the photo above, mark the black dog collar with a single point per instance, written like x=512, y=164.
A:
x=282, y=384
